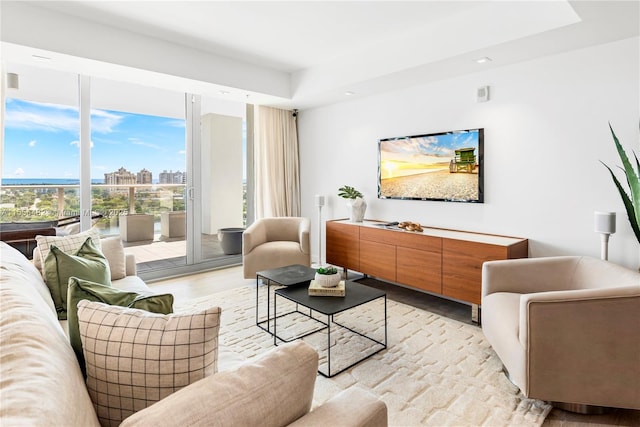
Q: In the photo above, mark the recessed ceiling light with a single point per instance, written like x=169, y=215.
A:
x=41, y=58
x=349, y=93
x=483, y=60
x=224, y=92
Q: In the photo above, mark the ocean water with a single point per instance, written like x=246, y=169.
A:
x=46, y=181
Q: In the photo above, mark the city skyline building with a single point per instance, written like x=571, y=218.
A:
x=144, y=177
x=171, y=177
x=120, y=177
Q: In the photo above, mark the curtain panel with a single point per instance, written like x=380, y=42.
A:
x=277, y=163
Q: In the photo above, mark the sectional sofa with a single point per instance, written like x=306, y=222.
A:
x=41, y=382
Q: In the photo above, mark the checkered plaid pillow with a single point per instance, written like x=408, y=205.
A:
x=135, y=358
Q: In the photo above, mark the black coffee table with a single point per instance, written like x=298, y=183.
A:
x=356, y=295
x=291, y=275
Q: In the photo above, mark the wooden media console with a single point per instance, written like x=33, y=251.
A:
x=439, y=261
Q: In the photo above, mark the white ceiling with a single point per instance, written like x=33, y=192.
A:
x=327, y=48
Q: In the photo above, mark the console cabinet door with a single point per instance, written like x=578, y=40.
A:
x=343, y=245
x=462, y=267
x=419, y=262
x=378, y=259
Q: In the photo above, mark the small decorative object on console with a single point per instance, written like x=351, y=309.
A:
x=327, y=277
x=355, y=202
x=410, y=226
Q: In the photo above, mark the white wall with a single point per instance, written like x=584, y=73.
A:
x=545, y=133
x=221, y=172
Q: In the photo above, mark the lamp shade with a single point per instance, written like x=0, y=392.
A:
x=605, y=222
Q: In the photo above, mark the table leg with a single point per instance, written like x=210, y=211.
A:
x=329, y=319
x=275, y=322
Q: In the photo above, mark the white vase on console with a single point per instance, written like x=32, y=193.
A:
x=357, y=208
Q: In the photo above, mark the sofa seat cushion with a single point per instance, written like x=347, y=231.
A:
x=131, y=284
x=40, y=378
x=272, y=390
x=135, y=358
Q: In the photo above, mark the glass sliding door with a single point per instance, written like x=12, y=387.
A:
x=138, y=170
x=40, y=162
x=163, y=170
x=221, y=182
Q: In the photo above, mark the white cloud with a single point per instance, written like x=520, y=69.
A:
x=19, y=172
x=104, y=121
x=176, y=123
x=136, y=141
x=28, y=115
x=32, y=143
x=77, y=143
x=182, y=152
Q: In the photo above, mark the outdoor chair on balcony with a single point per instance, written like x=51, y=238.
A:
x=22, y=235
x=275, y=242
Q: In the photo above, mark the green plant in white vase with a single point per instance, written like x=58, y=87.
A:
x=355, y=202
x=327, y=277
x=632, y=200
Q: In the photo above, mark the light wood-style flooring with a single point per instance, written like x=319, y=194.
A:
x=202, y=284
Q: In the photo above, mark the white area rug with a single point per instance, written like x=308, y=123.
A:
x=434, y=372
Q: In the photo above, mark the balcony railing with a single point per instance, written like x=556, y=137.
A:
x=38, y=203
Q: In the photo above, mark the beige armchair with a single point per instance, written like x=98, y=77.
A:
x=275, y=242
x=567, y=329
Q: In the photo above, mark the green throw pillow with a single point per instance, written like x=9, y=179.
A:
x=87, y=263
x=86, y=290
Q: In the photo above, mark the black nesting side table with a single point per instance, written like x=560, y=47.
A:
x=356, y=295
x=291, y=275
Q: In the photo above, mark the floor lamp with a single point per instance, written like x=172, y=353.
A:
x=319, y=204
x=605, y=224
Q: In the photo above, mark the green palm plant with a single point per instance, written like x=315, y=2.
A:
x=632, y=200
x=348, y=192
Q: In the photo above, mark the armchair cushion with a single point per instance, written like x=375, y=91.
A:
x=275, y=242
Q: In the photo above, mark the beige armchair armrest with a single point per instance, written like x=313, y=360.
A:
x=349, y=408
x=569, y=333
x=254, y=235
x=528, y=275
x=303, y=235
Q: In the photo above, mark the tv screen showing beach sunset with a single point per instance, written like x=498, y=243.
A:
x=443, y=166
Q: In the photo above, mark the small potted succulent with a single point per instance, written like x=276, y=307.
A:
x=327, y=277
x=355, y=202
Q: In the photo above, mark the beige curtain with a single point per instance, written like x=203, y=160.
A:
x=276, y=163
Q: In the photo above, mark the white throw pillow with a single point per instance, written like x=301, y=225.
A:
x=113, y=250
x=135, y=358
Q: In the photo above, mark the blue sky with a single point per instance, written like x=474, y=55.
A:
x=41, y=141
x=430, y=148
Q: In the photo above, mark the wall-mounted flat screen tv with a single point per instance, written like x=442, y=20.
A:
x=445, y=166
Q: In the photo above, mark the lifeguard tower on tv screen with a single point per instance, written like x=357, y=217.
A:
x=464, y=161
